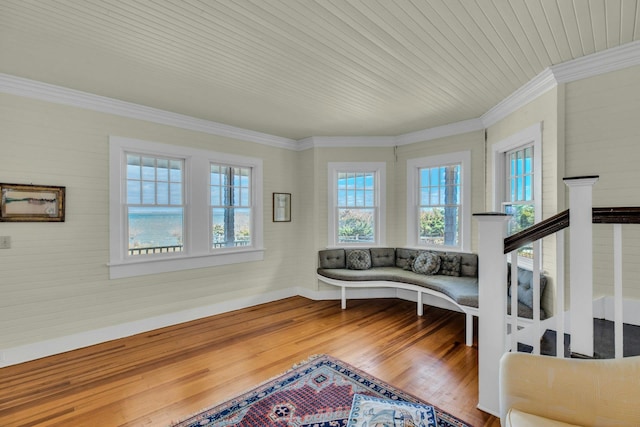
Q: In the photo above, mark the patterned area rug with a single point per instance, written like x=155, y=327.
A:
x=315, y=393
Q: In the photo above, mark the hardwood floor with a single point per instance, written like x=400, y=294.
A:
x=162, y=376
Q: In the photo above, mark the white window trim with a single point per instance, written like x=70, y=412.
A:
x=528, y=136
x=380, y=169
x=413, y=166
x=197, y=252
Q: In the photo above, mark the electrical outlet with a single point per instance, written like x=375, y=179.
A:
x=5, y=242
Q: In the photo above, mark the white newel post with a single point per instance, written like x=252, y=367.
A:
x=581, y=263
x=492, y=301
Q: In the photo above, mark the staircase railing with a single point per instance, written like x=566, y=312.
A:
x=537, y=231
x=617, y=216
x=500, y=333
x=533, y=235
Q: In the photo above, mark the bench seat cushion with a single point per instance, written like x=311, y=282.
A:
x=463, y=290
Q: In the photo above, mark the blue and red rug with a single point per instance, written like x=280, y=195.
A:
x=314, y=393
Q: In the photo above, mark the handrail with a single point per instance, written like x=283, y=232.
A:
x=537, y=231
x=619, y=215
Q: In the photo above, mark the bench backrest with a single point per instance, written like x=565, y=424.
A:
x=389, y=257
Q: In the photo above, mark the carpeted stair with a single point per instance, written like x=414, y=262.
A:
x=603, y=342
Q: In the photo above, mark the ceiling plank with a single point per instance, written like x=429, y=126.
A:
x=628, y=16
x=599, y=23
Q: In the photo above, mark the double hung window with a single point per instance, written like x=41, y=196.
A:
x=154, y=204
x=230, y=206
x=438, y=212
x=517, y=184
x=185, y=207
x=356, y=211
x=519, y=201
x=439, y=205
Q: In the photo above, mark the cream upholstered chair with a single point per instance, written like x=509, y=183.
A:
x=546, y=391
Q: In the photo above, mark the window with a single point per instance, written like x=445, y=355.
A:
x=154, y=204
x=517, y=183
x=184, y=207
x=356, y=211
x=230, y=206
x=356, y=207
x=439, y=205
x=520, y=203
x=439, y=211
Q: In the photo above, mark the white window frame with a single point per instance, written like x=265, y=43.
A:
x=379, y=169
x=531, y=136
x=211, y=205
x=413, y=181
x=197, y=251
x=142, y=202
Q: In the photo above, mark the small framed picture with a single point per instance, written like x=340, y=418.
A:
x=31, y=203
x=281, y=207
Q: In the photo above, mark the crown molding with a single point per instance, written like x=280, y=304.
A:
x=305, y=144
x=613, y=59
x=534, y=88
x=391, y=141
x=430, y=134
x=346, y=141
x=616, y=58
x=60, y=95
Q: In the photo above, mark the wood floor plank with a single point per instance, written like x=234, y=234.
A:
x=155, y=378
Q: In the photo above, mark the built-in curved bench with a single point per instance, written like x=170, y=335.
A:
x=457, y=282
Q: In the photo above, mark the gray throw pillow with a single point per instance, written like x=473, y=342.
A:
x=426, y=263
x=405, y=258
x=409, y=263
x=358, y=259
x=383, y=257
x=449, y=265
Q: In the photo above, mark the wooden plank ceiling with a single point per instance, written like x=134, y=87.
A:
x=299, y=68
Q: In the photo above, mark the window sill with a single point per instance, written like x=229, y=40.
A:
x=140, y=267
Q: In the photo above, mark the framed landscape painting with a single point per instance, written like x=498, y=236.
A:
x=31, y=203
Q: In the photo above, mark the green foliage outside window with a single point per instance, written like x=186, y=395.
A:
x=522, y=217
x=356, y=225
x=432, y=224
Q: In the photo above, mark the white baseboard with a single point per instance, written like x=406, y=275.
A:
x=27, y=352
x=487, y=410
x=352, y=293
x=603, y=308
x=24, y=353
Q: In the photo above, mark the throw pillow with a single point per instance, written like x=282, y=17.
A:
x=383, y=257
x=449, y=265
x=409, y=265
x=358, y=259
x=426, y=263
x=405, y=258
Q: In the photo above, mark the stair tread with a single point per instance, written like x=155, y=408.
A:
x=603, y=341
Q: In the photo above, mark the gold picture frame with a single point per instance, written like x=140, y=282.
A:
x=31, y=203
x=281, y=207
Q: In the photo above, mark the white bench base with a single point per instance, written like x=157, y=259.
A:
x=344, y=284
